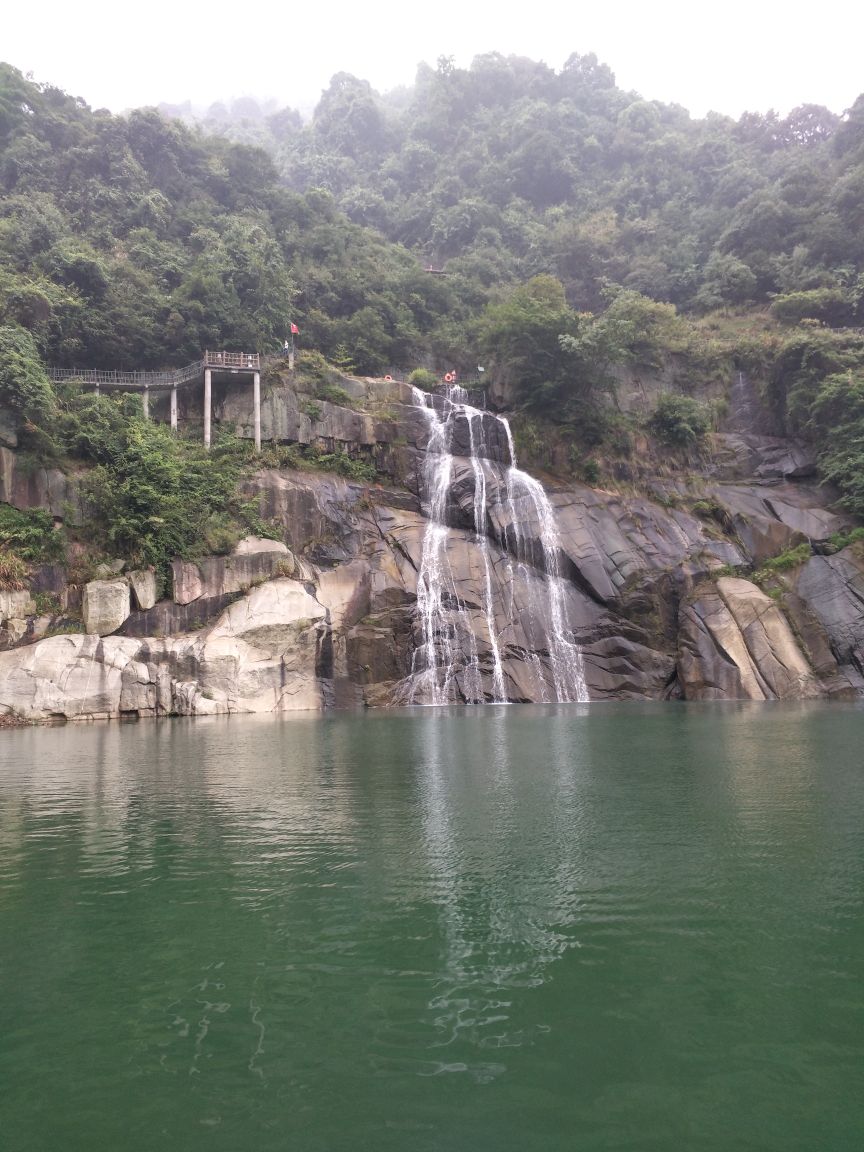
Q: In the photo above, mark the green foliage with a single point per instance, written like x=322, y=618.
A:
x=785, y=562
x=837, y=421
x=577, y=224
x=341, y=463
x=333, y=394
x=727, y=280
x=314, y=458
x=47, y=603
x=287, y=456
x=723, y=570
x=840, y=540
x=590, y=472
x=424, y=379
x=711, y=510
x=153, y=496
x=679, y=421
x=135, y=241
x=520, y=338
x=30, y=534
x=24, y=388
x=341, y=357
x=14, y=571
x=833, y=306
x=791, y=558
x=531, y=447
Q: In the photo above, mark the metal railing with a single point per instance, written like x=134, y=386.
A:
x=249, y=361
x=170, y=378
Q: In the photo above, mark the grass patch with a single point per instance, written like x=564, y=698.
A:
x=840, y=540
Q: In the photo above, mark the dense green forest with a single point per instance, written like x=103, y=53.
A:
x=509, y=169
x=582, y=229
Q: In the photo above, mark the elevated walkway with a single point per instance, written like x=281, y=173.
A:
x=227, y=363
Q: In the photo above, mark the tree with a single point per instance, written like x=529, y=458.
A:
x=25, y=390
x=727, y=280
x=519, y=337
x=679, y=421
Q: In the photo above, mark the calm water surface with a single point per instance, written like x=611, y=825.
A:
x=617, y=927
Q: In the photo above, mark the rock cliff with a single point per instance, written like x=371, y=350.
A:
x=655, y=590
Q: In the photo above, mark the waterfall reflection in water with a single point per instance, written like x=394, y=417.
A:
x=447, y=666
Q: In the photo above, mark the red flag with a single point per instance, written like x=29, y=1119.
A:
x=295, y=331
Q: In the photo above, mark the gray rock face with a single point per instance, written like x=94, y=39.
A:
x=735, y=644
x=222, y=575
x=105, y=607
x=260, y=656
x=741, y=455
x=166, y=618
x=482, y=435
x=47, y=488
x=250, y=545
x=833, y=588
x=186, y=582
x=769, y=518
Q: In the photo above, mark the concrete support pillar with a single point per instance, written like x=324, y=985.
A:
x=145, y=400
x=174, y=408
x=208, y=393
x=256, y=406
x=291, y=360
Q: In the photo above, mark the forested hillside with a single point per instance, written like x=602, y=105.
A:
x=135, y=242
x=508, y=169
x=584, y=232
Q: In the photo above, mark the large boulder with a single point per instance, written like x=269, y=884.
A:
x=144, y=587
x=105, y=607
x=186, y=582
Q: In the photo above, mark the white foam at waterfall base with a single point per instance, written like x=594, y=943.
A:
x=444, y=672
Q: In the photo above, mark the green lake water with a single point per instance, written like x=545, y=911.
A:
x=552, y=928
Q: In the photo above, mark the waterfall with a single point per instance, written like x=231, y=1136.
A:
x=446, y=665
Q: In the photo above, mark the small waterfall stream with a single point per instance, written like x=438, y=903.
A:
x=446, y=665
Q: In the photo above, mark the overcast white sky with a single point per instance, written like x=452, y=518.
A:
x=730, y=57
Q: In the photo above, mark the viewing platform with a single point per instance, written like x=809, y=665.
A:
x=221, y=363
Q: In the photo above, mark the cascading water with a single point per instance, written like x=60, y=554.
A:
x=447, y=666
x=564, y=656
